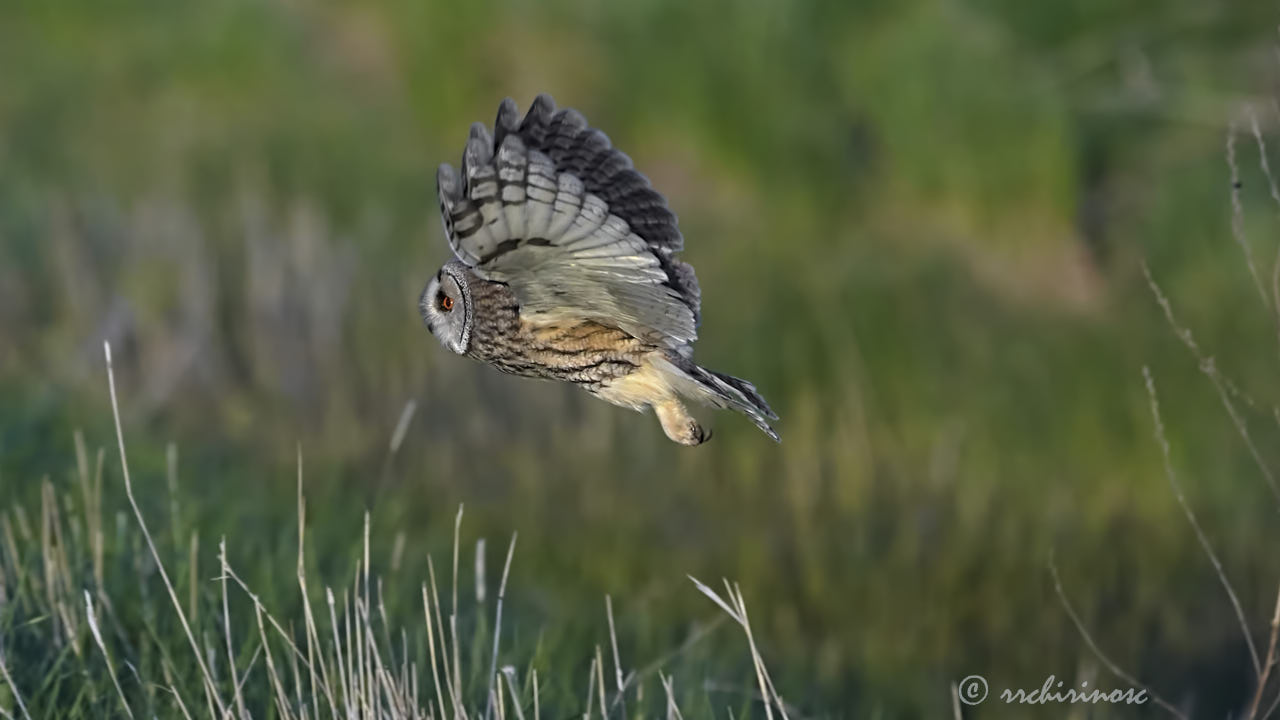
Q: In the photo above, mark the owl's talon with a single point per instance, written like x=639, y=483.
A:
x=695, y=434
x=679, y=425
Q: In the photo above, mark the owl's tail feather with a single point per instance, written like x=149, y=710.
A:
x=722, y=391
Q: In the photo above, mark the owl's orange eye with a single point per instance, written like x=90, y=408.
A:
x=446, y=303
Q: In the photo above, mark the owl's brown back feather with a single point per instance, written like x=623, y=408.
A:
x=585, y=352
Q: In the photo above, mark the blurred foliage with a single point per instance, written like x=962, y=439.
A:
x=918, y=228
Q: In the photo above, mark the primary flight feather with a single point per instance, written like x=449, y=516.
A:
x=564, y=269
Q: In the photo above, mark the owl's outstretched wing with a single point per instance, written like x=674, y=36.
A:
x=550, y=207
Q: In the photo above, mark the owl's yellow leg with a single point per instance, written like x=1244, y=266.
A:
x=678, y=424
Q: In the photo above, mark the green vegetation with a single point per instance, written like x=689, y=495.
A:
x=61, y=610
x=918, y=227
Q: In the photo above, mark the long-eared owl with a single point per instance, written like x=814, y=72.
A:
x=565, y=269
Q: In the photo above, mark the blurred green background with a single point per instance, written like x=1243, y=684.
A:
x=918, y=227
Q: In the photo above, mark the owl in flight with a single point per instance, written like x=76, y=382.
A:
x=565, y=269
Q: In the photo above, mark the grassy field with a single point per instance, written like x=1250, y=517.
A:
x=61, y=611
x=920, y=229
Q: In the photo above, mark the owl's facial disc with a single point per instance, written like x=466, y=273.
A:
x=446, y=307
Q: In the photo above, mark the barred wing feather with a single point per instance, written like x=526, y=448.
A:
x=550, y=207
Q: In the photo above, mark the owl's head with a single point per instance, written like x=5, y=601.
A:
x=446, y=306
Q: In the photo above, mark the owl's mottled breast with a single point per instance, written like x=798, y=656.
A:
x=583, y=352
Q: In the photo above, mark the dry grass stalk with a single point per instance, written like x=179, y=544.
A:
x=1225, y=388
x=454, y=690
x=1163, y=441
x=1226, y=391
x=1237, y=214
x=453, y=614
x=604, y=712
x=431, y=646
x=591, y=690
x=736, y=608
x=1265, y=166
x=314, y=656
x=617, y=662
x=537, y=711
x=673, y=709
x=226, y=625
x=343, y=683
x=285, y=635
x=497, y=620
x=182, y=707
x=1097, y=652
x=210, y=689
x=1268, y=664
x=97, y=637
x=509, y=674
x=282, y=702
x=17, y=696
